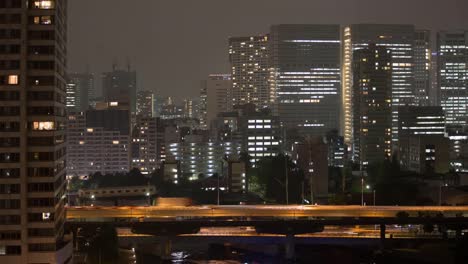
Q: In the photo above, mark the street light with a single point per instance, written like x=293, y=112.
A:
x=362, y=191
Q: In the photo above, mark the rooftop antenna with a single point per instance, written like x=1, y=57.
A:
x=114, y=64
x=128, y=64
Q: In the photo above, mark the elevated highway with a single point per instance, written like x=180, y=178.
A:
x=258, y=211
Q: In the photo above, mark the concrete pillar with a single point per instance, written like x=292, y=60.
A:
x=290, y=247
x=382, y=236
x=165, y=247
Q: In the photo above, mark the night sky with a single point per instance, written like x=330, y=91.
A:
x=173, y=44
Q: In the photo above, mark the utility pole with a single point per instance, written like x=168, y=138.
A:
x=374, y=196
x=287, y=178
x=362, y=191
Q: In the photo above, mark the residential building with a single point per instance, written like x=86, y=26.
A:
x=33, y=41
x=248, y=57
x=144, y=144
x=305, y=76
x=372, y=113
x=144, y=104
x=215, y=97
x=98, y=140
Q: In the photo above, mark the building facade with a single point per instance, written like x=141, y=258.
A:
x=215, y=97
x=372, y=113
x=248, y=57
x=120, y=86
x=98, y=140
x=452, y=65
x=144, y=144
x=145, y=104
x=80, y=89
x=33, y=41
x=305, y=76
x=400, y=40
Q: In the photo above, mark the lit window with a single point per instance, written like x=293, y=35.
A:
x=115, y=142
x=90, y=130
x=13, y=79
x=44, y=4
x=46, y=216
x=44, y=125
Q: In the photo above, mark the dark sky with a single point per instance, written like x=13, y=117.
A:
x=173, y=44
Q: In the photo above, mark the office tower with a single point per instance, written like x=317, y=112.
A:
x=144, y=103
x=215, y=96
x=261, y=136
x=305, y=76
x=80, y=89
x=422, y=67
x=248, y=57
x=434, y=93
x=458, y=149
x=32, y=137
x=98, y=140
x=337, y=149
x=422, y=145
x=144, y=144
x=120, y=86
x=400, y=40
x=202, y=105
x=191, y=108
x=421, y=120
x=372, y=91
x=452, y=47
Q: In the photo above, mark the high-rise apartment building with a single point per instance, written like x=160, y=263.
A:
x=120, y=86
x=400, y=40
x=98, y=140
x=248, y=57
x=144, y=103
x=80, y=89
x=215, y=97
x=452, y=47
x=372, y=114
x=144, y=144
x=32, y=137
x=305, y=76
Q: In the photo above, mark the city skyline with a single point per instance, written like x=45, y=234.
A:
x=160, y=71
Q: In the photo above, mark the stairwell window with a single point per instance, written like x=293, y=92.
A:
x=13, y=79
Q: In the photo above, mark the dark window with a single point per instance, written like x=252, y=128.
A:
x=41, y=247
x=10, y=235
x=10, y=220
x=41, y=172
x=9, y=188
x=41, y=187
x=10, y=204
x=41, y=202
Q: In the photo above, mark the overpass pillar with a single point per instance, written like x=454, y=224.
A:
x=290, y=247
x=382, y=236
x=165, y=248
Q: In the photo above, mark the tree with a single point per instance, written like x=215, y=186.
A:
x=272, y=177
x=428, y=228
x=104, y=247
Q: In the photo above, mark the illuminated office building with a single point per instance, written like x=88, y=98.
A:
x=421, y=120
x=80, y=89
x=372, y=91
x=422, y=67
x=305, y=76
x=248, y=57
x=452, y=63
x=400, y=40
x=33, y=42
